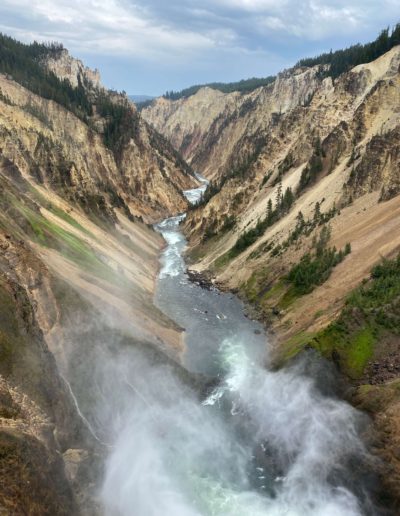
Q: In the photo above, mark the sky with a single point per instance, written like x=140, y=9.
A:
x=151, y=46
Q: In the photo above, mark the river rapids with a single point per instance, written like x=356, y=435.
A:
x=259, y=443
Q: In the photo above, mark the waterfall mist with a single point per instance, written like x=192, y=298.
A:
x=261, y=443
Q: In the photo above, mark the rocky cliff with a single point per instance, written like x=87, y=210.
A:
x=212, y=129
x=333, y=145
x=64, y=66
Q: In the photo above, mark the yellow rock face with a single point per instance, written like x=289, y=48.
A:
x=253, y=144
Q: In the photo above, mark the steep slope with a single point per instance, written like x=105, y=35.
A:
x=125, y=153
x=212, y=130
x=340, y=147
x=62, y=173
x=145, y=175
x=78, y=265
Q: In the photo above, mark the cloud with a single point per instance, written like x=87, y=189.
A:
x=254, y=5
x=107, y=27
x=212, y=39
x=155, y=28
x=313, y=19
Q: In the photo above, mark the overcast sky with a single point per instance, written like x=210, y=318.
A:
x=148, y=47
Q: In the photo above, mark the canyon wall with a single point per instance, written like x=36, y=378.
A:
x=265, y=141
x=78, y=267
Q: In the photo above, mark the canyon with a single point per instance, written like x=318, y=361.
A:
x=99, y=339
x=258, y=145
x=256, y=148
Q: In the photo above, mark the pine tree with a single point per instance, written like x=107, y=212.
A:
x=300, y=217
x=269, y=210
x=317, y=211
x=279, y=196
x=288, y=199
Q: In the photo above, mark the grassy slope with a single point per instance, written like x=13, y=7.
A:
x=369, y=320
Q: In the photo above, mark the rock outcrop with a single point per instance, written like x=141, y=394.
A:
x=66, y=67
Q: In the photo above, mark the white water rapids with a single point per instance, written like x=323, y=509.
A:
x=260, y=443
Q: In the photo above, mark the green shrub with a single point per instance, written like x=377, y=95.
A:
x=283, y=205
x=315, y=269
x=352, y=340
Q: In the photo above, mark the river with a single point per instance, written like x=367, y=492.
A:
x=261, y=443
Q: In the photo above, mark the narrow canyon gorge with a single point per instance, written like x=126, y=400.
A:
x=199, y=296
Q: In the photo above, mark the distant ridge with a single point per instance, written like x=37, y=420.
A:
x=140, y=98
x=243, y=86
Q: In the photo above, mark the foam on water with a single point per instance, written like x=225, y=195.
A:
x=172, y=263
x=194, y=194
x=174, y=455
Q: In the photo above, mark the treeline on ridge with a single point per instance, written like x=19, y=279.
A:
x=243, y=86
x=23, y=63
x=341, y=61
